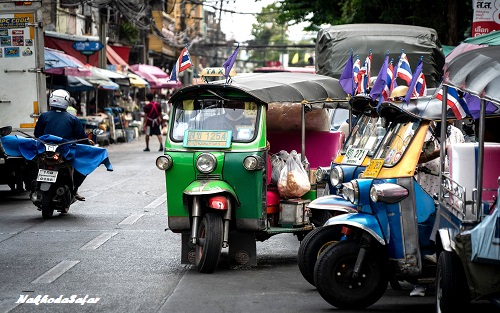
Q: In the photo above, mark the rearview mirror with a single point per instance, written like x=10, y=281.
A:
x=97, y=131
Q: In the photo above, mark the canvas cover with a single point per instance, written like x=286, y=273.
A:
x=334, y=44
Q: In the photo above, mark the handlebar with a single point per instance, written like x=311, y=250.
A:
x=426, y=170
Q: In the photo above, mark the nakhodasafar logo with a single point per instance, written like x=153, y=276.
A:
x=46, y=299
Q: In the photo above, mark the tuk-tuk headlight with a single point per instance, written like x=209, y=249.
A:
x=350, y=191
x=388, y=193
x=336, y=176
x=164, y=162
x=253, y=163
x=322, y=173
x=206, y=163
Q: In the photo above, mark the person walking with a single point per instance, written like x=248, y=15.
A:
x=152, y=120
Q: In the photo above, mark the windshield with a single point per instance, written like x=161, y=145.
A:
x=337, y=117
x=366, y=134
x=238, y=116
x=397, y=139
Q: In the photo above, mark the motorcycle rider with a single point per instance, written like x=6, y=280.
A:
x=58, y=122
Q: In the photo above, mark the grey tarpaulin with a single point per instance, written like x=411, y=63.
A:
x=334, y=44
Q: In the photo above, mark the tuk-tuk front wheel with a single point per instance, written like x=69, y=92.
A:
x=452, y=294
x=209, y=245
x=334, y=279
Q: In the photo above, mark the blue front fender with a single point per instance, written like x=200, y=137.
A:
x=333, y=203
x=365, y=222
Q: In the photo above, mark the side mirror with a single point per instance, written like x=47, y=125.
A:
x=97, y=131
x=4, y=131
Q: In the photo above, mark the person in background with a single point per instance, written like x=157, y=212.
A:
x=58, y=122
x=152, y=120
x=429, y=158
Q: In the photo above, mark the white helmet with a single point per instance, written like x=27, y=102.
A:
x=59, y=99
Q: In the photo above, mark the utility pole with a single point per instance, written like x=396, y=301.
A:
x=103, y=13
x=217, y=36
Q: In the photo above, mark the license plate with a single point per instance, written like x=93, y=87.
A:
x=373, y=168
x=46, y=176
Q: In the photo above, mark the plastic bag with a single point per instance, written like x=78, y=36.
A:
x=278, y=162
x=294, y=181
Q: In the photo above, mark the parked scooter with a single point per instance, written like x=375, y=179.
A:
x=53, y=161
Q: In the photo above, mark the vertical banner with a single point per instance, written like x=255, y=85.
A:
x=486, y=17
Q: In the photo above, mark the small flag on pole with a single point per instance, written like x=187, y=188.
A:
x=182, y=64
x=228, y=65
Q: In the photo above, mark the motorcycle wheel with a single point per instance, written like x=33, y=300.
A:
x=312, y=246
x=333, y=276
x=209, y=247
x=47, y=209
x=452, y=292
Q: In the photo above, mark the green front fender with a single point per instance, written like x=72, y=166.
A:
x=204, y=187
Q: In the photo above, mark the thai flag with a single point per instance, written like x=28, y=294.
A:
x=364, y=75
x=457, y=104
x=421, y=87
x=404, y=69
x=387, y=88
x=355, y=70
x=182, y=64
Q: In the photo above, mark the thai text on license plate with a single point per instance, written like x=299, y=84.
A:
x=47, y=176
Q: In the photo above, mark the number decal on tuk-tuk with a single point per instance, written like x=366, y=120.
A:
x=207, y=138
x=373, y=168
x=354, y=156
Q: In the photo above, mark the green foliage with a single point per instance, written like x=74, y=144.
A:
x=452, y=26
x=129, y=32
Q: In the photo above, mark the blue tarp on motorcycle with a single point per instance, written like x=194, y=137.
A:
x=84, y=158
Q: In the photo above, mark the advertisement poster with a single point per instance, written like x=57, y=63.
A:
x=486, y=17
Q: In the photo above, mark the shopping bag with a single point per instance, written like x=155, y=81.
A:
x=294, y=181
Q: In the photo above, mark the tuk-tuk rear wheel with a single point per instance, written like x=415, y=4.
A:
x=452, y=293
x=46, y=207
x=334, y=279
x=209, y=245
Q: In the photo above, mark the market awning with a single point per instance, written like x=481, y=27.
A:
x=64, y=42
x=69, y=83
x=118, y=78
x=155, y=76
x=59, y=63
x=137, y=81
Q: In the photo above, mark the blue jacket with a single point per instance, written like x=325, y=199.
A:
x=60, y=124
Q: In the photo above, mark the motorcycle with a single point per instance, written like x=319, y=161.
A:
x=218, y=179
x=52, y=162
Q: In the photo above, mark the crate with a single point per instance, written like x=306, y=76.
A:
x=293, y=212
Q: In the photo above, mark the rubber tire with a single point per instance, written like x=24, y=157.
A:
x=209, y=248
x=319, y=217
x=47, y=209
x=452, y=293
x=314, y=243
x=332, y=276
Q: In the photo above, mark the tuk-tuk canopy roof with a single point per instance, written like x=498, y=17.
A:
x=426, y=108
x=476, y=72
x=334, y=44
x=275, y=87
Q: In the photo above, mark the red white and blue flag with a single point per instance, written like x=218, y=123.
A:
x=355, y=70
x=388, y=87
x=364, y=75
x=457, y=104
x=404, y=69
x=182, y=64
x=420, y=87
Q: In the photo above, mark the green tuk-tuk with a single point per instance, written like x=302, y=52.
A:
x=217, y=161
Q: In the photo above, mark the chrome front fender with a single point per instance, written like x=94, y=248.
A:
x=332, y=203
